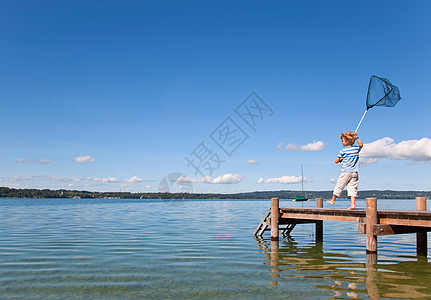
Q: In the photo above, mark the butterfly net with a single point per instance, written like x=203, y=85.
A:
x=381, y=92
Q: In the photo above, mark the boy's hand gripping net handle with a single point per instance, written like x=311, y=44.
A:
x=361, y=120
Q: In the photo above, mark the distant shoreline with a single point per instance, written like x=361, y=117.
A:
x=6, y=192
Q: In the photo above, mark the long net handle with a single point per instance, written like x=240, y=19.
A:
x=361, y=120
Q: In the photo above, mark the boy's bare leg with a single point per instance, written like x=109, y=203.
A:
x=352, y=204
x=332, y=201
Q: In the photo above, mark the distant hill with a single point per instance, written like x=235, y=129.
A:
x=6, y=192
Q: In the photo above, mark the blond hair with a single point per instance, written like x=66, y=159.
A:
x=349, y=136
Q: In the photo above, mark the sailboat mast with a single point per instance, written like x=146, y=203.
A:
x=302, y=180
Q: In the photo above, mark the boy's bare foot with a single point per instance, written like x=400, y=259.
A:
x=351, y=208
x=330, y=202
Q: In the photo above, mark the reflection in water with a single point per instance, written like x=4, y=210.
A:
x=275, y=271
x=372, y=277
x=347, y=278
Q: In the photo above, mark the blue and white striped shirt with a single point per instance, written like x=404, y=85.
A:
x=350, y=158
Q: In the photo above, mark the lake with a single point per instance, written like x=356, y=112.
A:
x=194, y=249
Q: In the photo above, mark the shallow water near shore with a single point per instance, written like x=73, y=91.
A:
x=194, y=249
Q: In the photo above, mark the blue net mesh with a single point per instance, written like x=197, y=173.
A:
x=381, y=92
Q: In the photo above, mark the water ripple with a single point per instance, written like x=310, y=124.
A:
x=131, y=249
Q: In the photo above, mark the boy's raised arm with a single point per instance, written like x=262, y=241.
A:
x=360, y=143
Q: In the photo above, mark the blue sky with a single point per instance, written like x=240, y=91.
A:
x=114, y=95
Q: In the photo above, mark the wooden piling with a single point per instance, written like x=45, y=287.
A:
x=421, y=235
x=275, y=215
x=421, y=203
x=371, y=218
x=319, y=224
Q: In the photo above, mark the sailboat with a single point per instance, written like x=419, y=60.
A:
x=302, y=197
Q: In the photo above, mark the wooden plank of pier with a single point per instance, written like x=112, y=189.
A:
x=390, y=217
x=323, y=214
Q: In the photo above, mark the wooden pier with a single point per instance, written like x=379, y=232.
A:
x=371, y=221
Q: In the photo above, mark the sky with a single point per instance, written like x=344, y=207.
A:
x=211, y=96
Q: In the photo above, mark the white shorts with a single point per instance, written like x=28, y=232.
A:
x=351, y=180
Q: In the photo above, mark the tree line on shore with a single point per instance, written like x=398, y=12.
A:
x=6, y=192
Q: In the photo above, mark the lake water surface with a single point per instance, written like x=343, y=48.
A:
x=194, y=249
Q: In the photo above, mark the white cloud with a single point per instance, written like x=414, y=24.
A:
x=311, y=147
x=20, y=178
x=79, y=179
x=414, y=150
x=284, y=179
x=367, y=161
x=104, y=180
x=333, y=180
x=251, y=161
x=228, y=178
x=46, y=177
x=84, y=159
x=75, y=179
x=187, y=179
x=134, y=179
x=223, y=179
x=34, y=161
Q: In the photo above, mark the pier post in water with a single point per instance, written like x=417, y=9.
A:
x=319, y=224
x=372, y=219
x=421, y=236
x=275, y=216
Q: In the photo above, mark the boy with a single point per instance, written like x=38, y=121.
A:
x=349, y=156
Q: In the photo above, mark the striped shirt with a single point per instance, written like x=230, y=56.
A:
x=350, y=158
